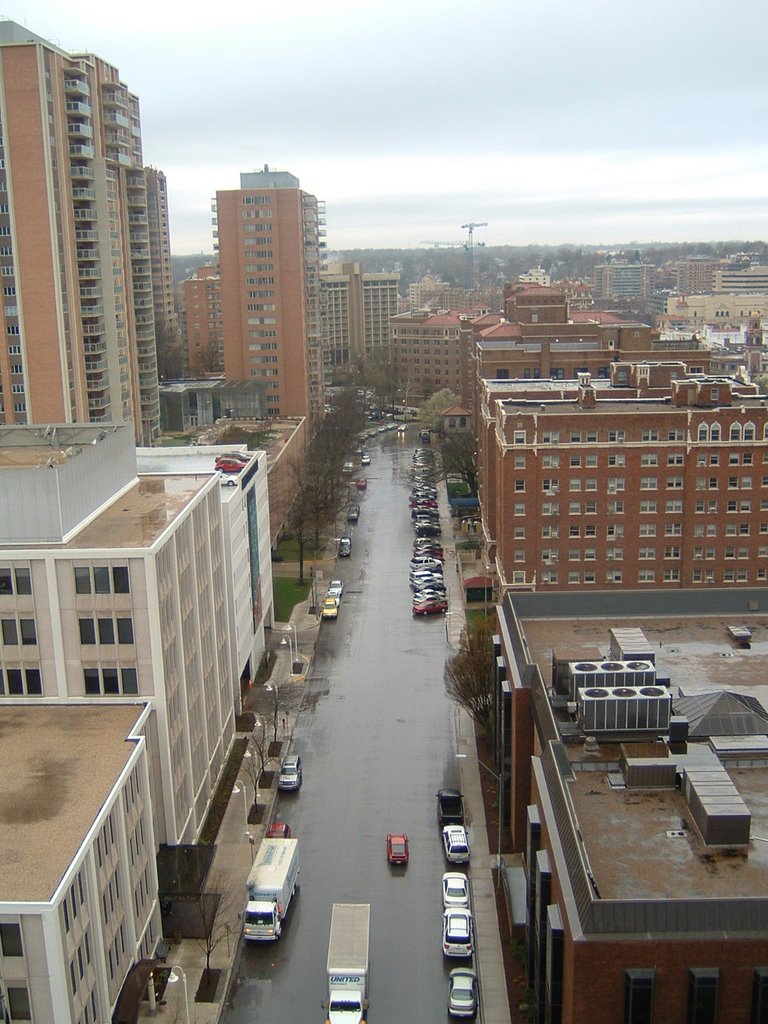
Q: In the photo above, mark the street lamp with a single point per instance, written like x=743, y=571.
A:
x=500, y=809
x=287, y=640
x=252, y=841
x=239, y=787
x=177, y=974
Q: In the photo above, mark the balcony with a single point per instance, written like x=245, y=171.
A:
x=87, y=254
x=91, y=311
x=83, y=193
x=76, y=87
x=80, y=171
x=95, y=348
x=81, y=213
x=91, y=293
x=98, y=402
x=89, y=274
x=79, y=129
x=84, y=152
x=111, y=117
x=93, y=330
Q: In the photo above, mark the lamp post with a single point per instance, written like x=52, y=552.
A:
x=287, y=640
x=177, y=974
x=239, y=787
x=252, y=841
x=500, y=811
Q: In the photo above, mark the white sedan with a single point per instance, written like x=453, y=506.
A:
x=335, y=589
x=455, y=890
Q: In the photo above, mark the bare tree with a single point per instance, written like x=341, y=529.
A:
x=277, y=706
x=170, y=352
x=470, y=673
x=457, y=452
x=218, y=907
x=257, y=754
x=208, y=358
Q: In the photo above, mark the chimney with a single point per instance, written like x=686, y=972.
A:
x=587, y=395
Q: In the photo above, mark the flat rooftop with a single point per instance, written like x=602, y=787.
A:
x=138, y=517
x=59, y=766
x=630, y=834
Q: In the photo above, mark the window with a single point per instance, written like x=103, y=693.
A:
x=648, y=483
x=638, y=996
x=650, y=435
x=125, y=631
x=101, y=580
x=18, y=1002
x=17, y=683
x=519, y=484
x=87, y=631
x=106, y=631
x=674, y=483
x=28, y=632
x=20, y=577
x=617, y=459
x=702, y=995
x=649, y=459
x=10, y=631
x=10, y=940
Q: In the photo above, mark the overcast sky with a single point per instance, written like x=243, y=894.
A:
x=602, y=121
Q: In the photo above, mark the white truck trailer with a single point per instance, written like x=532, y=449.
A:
x=348, y=963
x=272, y=883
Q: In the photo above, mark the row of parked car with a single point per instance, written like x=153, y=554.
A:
x=426, y=571
x=458, y=930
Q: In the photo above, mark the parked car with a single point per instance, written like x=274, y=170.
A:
x=361, y=484
x=290, y=777
x=329, y=608
x=353, y=514
x=335, y=589
x=455, y=844
x=455, y=890
x=430, y=606
x=278, y=830
x=229, y=465
x=425, y=529
x=241, y=456
x=365, y=460
x=457, y=932
x=422, y=597
x=397, y=847
x=345, y=547
x=462, y=992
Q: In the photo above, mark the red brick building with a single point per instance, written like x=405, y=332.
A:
x=654, y=479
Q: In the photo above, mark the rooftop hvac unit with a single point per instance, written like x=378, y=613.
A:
x=624, y=709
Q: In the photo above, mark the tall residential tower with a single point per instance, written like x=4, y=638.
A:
x=74, y=243
x=270, y=242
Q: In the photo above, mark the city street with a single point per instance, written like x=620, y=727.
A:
x=376, y=735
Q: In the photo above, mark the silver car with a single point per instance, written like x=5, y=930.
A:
x=462, y=992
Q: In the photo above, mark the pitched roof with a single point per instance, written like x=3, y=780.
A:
x=722, y=713
x=456, y=410
x=503, y=330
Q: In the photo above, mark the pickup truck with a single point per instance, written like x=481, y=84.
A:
x=450, y=807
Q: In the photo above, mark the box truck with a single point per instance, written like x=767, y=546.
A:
x=348, y=963
x=272, y=883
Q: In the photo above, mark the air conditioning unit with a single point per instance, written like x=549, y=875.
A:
x=606, y=709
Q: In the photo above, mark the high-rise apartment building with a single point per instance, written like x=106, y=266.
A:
x=623, y=279
x=270, y=239
x=74, y=242
x=166, y=319
x=357, y=308
x=203, y=334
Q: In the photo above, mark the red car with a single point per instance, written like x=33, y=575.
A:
x=278, y=830
x=361, y=484
x=229, y=465
x=397, y=847
x=433, y=606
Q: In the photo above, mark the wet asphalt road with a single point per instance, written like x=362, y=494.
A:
x=376, y=737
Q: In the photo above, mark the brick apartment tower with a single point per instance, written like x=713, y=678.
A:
x=269, y=242
x=74, y=252
x=166, y=318
x=203, y=335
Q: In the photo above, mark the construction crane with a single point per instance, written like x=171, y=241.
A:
x=469, y=248
x=469, y=282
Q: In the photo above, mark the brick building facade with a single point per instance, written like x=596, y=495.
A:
x=653, y=479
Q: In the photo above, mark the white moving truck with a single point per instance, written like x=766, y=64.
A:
x=348, y=963
x=273, y=881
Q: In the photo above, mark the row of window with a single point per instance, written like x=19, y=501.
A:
x=616, y=484
x=615, y=554
x=108, y=630
x=705, y=432
x=110, y=682
x=703, y=992
x=647, y=506
x=589, y=576
x=590, y=461
x=101, y=579
x=614, y=530
x=15, y=581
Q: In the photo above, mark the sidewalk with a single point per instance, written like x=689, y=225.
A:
x=237, y=841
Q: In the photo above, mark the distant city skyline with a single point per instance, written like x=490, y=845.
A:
x=556, y=124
